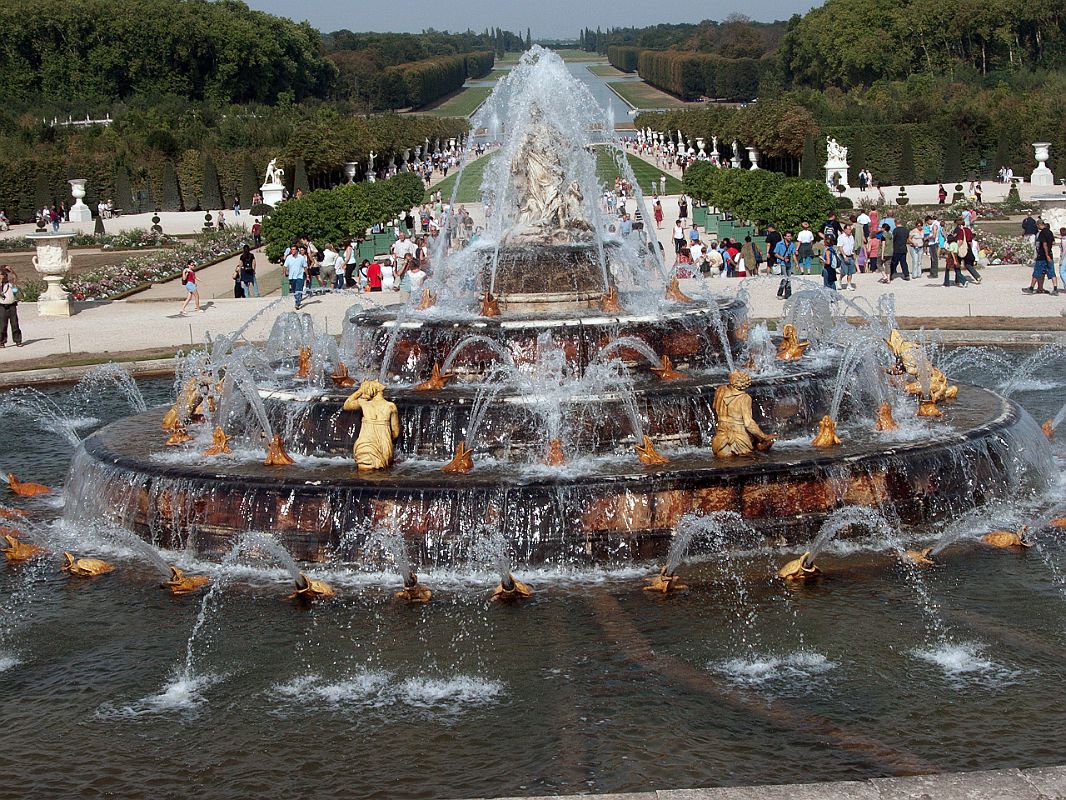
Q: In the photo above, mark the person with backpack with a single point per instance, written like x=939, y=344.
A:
x=964, y=238
x=246, y=273
x=829, y=264
x=951, y=262
x=9, y=314
x=785, y=256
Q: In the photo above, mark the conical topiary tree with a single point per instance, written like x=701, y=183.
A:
x=299, y=177
x=212, y=192
x=42, y=195
x=856, y=159
x=249, y=182
x=952, y=159
x=809, y=163
x=906, y=160
x=1002, y=158
x=123, y=191
x=170, y=193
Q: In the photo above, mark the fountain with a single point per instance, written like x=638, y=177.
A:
x=507, y=391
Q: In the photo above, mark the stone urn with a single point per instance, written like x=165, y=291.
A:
x=753, y=157
x=349, y=170
x=79, y=212
x=52, y=263
x=1042, y=176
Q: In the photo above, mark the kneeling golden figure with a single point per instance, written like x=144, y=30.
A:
x=737, y=430
x=827, y=433
x=379, y=428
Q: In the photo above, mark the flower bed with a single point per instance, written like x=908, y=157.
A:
x=138, y=272
x=133, y=239
x=1001, y=249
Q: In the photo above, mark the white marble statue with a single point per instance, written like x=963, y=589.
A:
x=835, y=152
x=274, y=173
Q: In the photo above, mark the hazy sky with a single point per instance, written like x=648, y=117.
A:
x=546, y=18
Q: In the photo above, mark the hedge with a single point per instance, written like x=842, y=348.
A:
x=692, y=75
x=422, y=82
x=623, y=58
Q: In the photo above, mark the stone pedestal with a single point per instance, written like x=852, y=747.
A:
x=837, y=167
x=52, y=262
x=79, y=212
x=272, y=193
x=1042, y=176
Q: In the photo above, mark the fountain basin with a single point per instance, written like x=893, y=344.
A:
x=599, y=509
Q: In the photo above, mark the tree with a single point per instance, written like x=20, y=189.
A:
x=249, y=181
x=906, y=160
x=212, y=191
x=1002, y=158
x=529, y=39
x=123, y=192
x=856, y=158
x=809, y=165
x=952, y=170
x=299, y=177
x=170, y=199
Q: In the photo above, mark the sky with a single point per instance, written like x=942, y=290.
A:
x=546, y=18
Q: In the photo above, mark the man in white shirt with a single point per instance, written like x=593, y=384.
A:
x=846, y=249
x=296, y=271
x=401, y=247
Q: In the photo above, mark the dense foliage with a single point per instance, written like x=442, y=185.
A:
x=694, y=75
x=105, y=50
x=333, y=215
x=760, y=196
x=160, y=153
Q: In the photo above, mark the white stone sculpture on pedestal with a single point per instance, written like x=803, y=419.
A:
x=753, y=157
x=273, y=189
x=79, y=212
x=836, y=164
x=1042, y=176
x=52, y=262
x=735, y=160
x=701, y=143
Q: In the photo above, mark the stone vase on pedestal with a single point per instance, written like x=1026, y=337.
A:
x=349, y=171
x=1042, y=176
x=753, y=157
x=52, y=262
x=79, y=212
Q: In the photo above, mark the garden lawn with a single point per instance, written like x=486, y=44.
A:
x=607, y=71
x=645, y=173
x=642, y=95
x=573, y=54
x=462, y=104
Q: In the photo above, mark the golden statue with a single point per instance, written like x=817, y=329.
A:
x=178, y=435
x=609, y=303
x=310, y=590
x=219, y=443
x=380, y=426
x=276, y=455
x=85, y=567
x=827, y=433
x=11, y=513
x=25, y=489
x=919, y=558
x=413, y=591
x=885, y=420
x=673, y=292
x=1008, y=540
x=736, y=426
x=799, y=569
x=791, y=348
x=648, y=455
x=18, y=551
x=664, y=583
x=1048, y=430
x=303, y=369
x=1059, y=522
x=462, y=462
x=666, y=371
x=909, y=359
x=490, y=306
x=189, y=406
x=555, y=457
x=510, y=590
x=340, y=377
x=180, y=583
x=426, y=301
x=436, y=381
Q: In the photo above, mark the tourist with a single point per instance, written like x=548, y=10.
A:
x=657, y=212
x=862, y=180
x=875, y=252
x=805, y=247
x=1062, y=251
x=416, y=276
x=257, y=234
x=246, y=272
x=662, y=184
x=314, y=266
x=236, y=205
x=915, y=245
x=964, y=238
x=951, y=262
x=1044, y=264
x=941, y=194
x=785, y=256
x=831, y=227
x=679, y=236
x=339, y=267
x=188, y=280
x=5, y=223
x=349, y=257
x=1029, y=230
x=829, y=264
x=682, y=208
x=388, y=275
x=625, y=227
x=373, y=277
x=296, y=272
x=772, y=239
x=899, y=251
x=845, y=249
x=328, y=267
x=977, y=191
x=9, y=302
x=402, y=246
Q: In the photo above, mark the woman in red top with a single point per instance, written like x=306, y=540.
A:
x=373, y=277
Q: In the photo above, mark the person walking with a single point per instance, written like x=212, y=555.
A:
x=899, y=252
x=247, y=272
x=296, y=272
x=9, y=303
x=1044, y=265
x=1029, y=230
x=192, y=293
x=805, y=247
x=951, y=262
x=933, y=234
x=876, y=253
x=785, y=254
x=829, y=264
x=846, y=255
x=349, y=264
x=679, y=236
x=657, y=212
x=915, y=245
x=964, y=238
